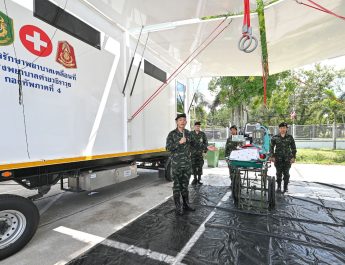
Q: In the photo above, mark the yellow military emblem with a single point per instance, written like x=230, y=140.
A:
x=6, y=30
x=65, y=55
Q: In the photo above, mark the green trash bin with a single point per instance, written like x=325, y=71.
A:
x=212, y=158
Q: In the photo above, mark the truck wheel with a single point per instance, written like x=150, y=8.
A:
x=168, y=175
x=19, y=219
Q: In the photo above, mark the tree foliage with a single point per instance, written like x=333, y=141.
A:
x=310, y=93
x=198, y=109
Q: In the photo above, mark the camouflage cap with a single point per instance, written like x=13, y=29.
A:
x=181, y=115
x=283, y=124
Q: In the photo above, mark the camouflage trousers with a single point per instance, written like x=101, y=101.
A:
x=283, y=167
x=180, y=176
x=197, y=164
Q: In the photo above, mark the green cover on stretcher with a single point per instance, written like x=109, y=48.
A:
x=254, y=164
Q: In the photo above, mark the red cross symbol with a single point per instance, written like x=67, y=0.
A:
x=35, y=40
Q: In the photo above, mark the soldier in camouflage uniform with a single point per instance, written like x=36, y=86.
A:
x=283, y=154
x=197, y=152
x=230, y=146
x=180, y=142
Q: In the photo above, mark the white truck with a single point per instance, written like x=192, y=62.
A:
x=65, y=112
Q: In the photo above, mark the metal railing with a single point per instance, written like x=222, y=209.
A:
x=216, y=134
x=314, y=131
x=307, y=132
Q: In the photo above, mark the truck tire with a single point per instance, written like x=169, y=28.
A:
x=168, y=175
x=19, y=218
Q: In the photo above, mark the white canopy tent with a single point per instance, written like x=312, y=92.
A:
x=135, y=13
x=296, y=35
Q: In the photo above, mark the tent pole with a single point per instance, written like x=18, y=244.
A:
x=264, y=53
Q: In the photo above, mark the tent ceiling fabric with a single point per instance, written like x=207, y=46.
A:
x=133, y=13
x=221, y=57
x=296, y=35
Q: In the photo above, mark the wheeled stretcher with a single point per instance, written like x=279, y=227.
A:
x=249, y=167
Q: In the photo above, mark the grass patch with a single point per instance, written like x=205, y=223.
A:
x=221, y=153
x=321, y=156
x=313, y=156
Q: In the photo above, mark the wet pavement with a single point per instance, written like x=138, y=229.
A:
x=135, y=223
x=306, y=227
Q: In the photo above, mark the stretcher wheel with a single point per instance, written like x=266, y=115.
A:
x=264, y=179
x=271, y=192
x=236, y=188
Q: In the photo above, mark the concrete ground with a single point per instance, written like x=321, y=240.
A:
x=330, y=174
x=71, y=223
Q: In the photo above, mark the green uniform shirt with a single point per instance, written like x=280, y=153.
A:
x=283, y=147
x=181, y=153
x=230, y=146
x=202, y=140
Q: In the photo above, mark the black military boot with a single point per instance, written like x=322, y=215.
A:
x=195, y=181
x=186, y=205
x=279, y=188
x=199, y=178
x=179, y=209
x=286, y=186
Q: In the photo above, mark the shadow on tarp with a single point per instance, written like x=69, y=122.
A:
x=307, y=227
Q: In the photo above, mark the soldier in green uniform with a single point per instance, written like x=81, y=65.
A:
x=283, y=154
x=197, y=152
x=230, y=146
x=180, y=143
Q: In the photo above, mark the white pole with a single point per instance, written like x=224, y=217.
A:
x=334, y=134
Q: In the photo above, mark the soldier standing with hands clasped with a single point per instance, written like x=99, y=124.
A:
x=197, y=153
x=180, y=142
x=283, y=154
